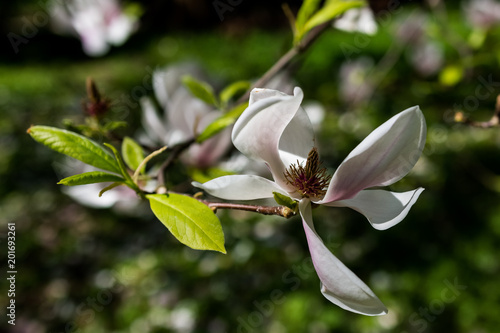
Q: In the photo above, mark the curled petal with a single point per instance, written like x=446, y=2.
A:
x=382, y=158
x=258, y=131
x=383, y=209
x=240, y=187
x=338, y=284
x=297, y=139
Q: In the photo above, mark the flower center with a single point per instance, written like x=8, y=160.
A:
x=311, y=180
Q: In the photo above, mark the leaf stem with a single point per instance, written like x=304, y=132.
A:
x=135, y=177
x=493, y=122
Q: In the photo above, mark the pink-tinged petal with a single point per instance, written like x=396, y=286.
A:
x=155, y=127
x=383, y=209
x=240, y=187
x=297, y=139
x=382, y=158
x=258, y=131
x=210, y=151
x=338, y=284
x=185, y=112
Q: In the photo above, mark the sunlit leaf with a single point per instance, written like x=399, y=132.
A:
x=132, y=153
x=123, y=169
x=233, y=90
x=451, y=75
x=308, y=8
x=205, y=175
x=283, y=200
x=329, y=11
x=200, y=90
x=221, y=123
x=190, y=221
x=90, y=178
x=76, y=146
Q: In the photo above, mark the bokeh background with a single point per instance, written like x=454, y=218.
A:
x=84, y=269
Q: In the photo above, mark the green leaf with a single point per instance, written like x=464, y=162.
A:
x=90, y=178
x=284, y=200
x=200, y=90
x=203, y=176
x=190, y=221
x=232, y=90
x=308, y=8
x=75, y=145
x=123, y=169
x=132, y=153
x=330, y=10
x=221, y=123
x=114, y=125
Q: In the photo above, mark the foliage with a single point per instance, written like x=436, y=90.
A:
x=69, y=253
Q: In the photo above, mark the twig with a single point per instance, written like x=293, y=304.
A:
x=286, y=59
x=265, y=210
x=460, y=117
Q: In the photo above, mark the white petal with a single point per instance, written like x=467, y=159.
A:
x=383, y=209
x=297, y=139
x=338, y=284
x=382, y=158
x=240, y=187
x=357, y=19
x=258, y=131
x=152, y=123
x=166, y=81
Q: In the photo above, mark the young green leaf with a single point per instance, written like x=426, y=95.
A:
x=233, y=90
x=221, y=123
x=308, y=8
x=200, y=90
x=283, y=200
x=90, y=178
x=75, y=145
x=123, y=169
x=190, y=221
x=202, y=176
x=329, y=11
x=132, y=153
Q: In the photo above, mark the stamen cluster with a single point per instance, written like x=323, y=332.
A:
x=310, y=181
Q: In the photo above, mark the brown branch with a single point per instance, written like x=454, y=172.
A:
x=460, y=117
x=286, y=59
x=265, y=210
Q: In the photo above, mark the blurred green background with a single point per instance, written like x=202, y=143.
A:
x=94, y=270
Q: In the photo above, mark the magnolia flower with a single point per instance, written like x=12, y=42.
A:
x=185, y=117
x=357, y=19
x=355, y=86
x=482, y=14
x=98, y=23
x=274, y=129
x=423, y=53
